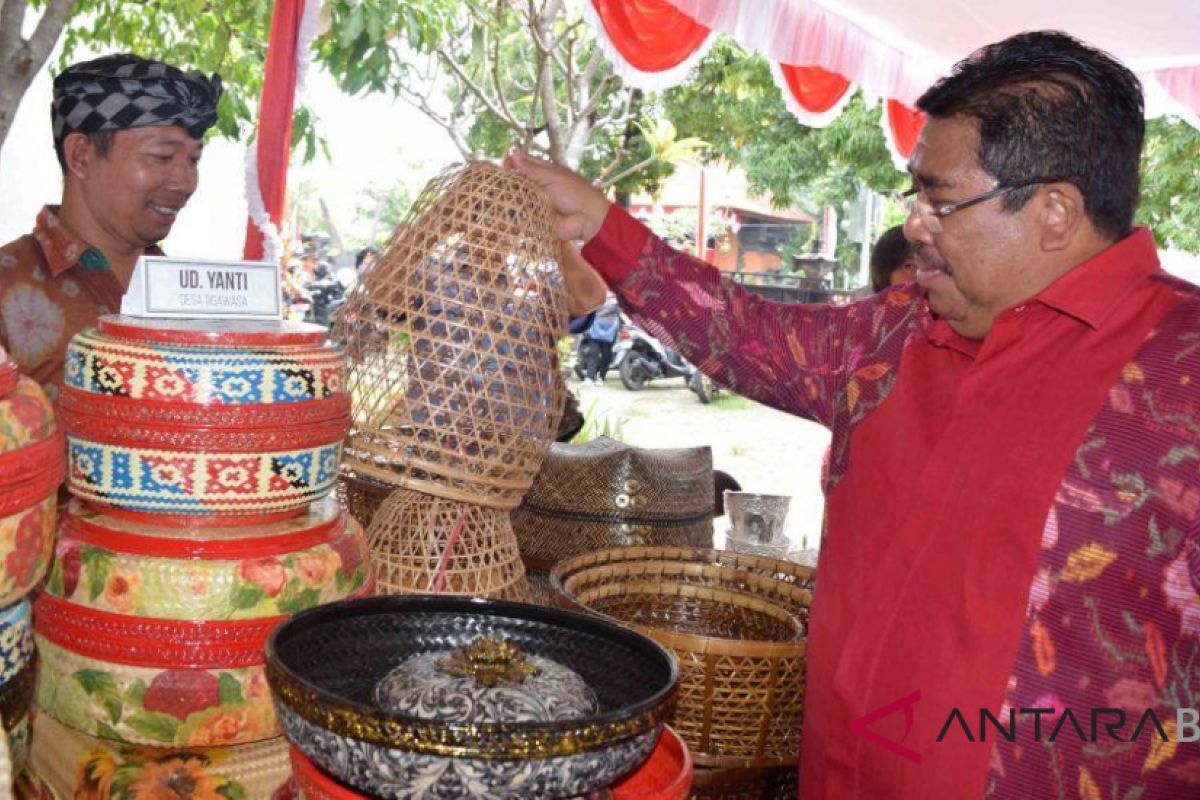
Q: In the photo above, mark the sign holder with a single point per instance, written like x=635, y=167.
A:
x=197, y=288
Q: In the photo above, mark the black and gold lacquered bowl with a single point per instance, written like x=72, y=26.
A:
x=324, y=666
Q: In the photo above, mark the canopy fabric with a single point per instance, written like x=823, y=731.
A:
x=822, y=49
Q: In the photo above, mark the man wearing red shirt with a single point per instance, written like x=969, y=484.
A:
x=1007, y=601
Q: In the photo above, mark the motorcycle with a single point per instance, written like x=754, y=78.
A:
x=326, y=297
x=644, y=358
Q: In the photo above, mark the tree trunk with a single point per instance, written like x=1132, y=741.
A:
x=20, y=59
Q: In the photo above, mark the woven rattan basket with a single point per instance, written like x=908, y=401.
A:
x=360, y=495
x=605, y=494
x=792, y=598
x=451, y=342
x=740, y=646
x=423, y=544
x=720, y=561
x=745, y=784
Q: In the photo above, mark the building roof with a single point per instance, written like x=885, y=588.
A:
x=724, y=187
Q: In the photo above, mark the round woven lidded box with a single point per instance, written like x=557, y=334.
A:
x=74, y=765
x=606, y=494
x=451, y=342
x=326, y=664
x=739, y=636
x=155, y=635
x=31, y=468
x=202, y=421
x=110, y=563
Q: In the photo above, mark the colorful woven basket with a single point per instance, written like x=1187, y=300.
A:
x=155, y=635
x=739, y=637
x=31, y=468
x=74, y=765
x=187, y=420
x=111, y=563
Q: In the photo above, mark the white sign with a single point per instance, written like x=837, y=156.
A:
x=204, y=289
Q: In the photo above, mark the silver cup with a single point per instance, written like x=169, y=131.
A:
x=759, y=519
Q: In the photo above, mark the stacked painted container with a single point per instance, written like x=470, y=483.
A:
x=200, y=457
x=31, y=468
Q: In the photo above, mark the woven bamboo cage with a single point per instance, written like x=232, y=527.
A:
x=451, y=337
x=424, y=544
x=739, y=637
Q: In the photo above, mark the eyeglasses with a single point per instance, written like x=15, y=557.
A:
x=931, y=217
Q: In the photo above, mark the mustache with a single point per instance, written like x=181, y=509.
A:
x=927, y=257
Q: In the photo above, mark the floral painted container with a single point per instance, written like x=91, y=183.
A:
x=31, y=468
x=166, y=682
x=211, y=422
x=155, y=634
x=74, y=765
x=114, y=564
x=157, y=682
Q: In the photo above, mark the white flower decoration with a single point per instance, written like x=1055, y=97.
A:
x=34, y=323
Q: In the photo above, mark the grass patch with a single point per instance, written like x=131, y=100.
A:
x=729, y=401
x=600, y=422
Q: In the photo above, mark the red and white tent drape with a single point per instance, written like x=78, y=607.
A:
x=822, y=50
x=293, y=26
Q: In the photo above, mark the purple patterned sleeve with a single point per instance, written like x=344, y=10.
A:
x=797, y=358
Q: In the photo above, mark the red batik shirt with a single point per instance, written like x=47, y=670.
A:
x=52, y=285
x=1011, y=523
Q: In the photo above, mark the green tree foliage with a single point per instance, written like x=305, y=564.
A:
x=504, y=74
x=732, y=102
x=1171, y=184
x=229, y=38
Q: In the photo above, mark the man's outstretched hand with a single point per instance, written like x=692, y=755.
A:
x=579, y=207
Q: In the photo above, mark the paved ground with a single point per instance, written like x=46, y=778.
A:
x=764, y=449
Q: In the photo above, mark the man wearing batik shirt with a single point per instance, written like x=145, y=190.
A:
x=1013, y=505
x=127, y=134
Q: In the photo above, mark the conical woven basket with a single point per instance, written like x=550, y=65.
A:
x=451, y=342
x=422, y=544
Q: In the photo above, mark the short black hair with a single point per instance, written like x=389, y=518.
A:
x=887, y=256
x=361, y=255
x=102, y=141
x=1050, y=106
